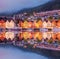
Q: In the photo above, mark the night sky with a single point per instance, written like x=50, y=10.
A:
x=15, y=5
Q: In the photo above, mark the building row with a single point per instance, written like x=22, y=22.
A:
x=30, y=24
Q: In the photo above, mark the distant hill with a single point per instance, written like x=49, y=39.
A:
x=51, y=5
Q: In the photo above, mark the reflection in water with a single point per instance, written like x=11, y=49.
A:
x=29, y=31
x=9, y=35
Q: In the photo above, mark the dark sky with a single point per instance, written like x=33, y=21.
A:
x=15, y=5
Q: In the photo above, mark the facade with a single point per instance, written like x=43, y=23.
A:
x=10, y=24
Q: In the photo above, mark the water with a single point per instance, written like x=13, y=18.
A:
x=11, y=52
x=15, y=53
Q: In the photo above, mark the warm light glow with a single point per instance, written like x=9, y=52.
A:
x=44, y=24
x=10, y=24
x=20, y=23
x=9, y=35
x=30, y=24
x=2, y=35
x=49, y=24
x=49, y=35
x=2, y=24
x=38, y=35
x=53, y=23
x=58, y=23
x=38, y=24
x=58, y=36
x=54, y=36
x=44, y=35
x=25, y=35
x=25, y=24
